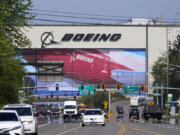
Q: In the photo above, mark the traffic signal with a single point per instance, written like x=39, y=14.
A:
x=57, y=86
x=142, y=87
x=82, y=86
x=118, y=86
x=98, y=86
x=94, y=89
x=125, y=91
x=103, y=86
x=89, y=92
x=51, y=95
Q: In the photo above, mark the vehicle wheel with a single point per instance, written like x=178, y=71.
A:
x=83, y=125
x=35, y=134
x=159, y=119
x=103, y=124
x=64, y=120
x=146, y=119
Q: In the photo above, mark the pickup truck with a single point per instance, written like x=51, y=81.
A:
x=151, y=110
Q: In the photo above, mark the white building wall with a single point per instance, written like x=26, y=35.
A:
x=157, y=45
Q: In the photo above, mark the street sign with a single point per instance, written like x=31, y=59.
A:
x=105, y=102
x=86, y=89
x=156, y=94
x=130, y=88
x=110, y=114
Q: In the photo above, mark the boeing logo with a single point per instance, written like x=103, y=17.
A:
x=91, y=37
x=47, y=38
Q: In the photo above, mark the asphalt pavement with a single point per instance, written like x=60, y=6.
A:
x=116, y=126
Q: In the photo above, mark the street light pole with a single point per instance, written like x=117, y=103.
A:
x=167, y=75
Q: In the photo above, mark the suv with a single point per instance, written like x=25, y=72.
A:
x=134, y=113
x=10, y=123
x=26, y=115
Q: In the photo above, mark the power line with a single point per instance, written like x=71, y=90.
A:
x=168, y=20
x=90, y=18
x=59, y=21
x=74, y=22
x=77, y=22
x=76, y=13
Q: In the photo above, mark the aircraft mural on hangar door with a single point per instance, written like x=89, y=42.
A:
x=93, y=66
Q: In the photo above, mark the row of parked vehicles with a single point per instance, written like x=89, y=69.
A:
x=18, y=119
x=43, y=110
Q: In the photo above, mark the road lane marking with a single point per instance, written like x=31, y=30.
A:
x=68, y=131
x=42, y=125
x=122, y=132
x=124, y=127
x=119, y=131
x=144, y=131
x=156, y=124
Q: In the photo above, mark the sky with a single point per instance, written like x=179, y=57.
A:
x=167, y=9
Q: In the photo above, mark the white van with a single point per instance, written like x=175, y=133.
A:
x=26, y=115
x=70, y=110
x=137, y=101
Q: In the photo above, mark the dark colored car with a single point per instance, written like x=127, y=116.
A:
x=120, y=110
x=56, y=112
x=133, y=113
x=48, y=112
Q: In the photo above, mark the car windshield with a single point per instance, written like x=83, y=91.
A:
x=135, y=110
x=8, y=117
x=70, y=107
x=153, y=108
x=22, y=111
x=93, y=112
x=81, y=111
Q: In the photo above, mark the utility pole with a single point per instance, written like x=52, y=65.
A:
x=167, y=77
x=109, y=107
x=162, y=107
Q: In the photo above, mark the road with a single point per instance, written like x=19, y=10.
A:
x=116, y=126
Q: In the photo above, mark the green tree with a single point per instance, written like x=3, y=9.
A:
x=96, y=100
x=99, y=98
x=14, y=16
x=160, y=70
